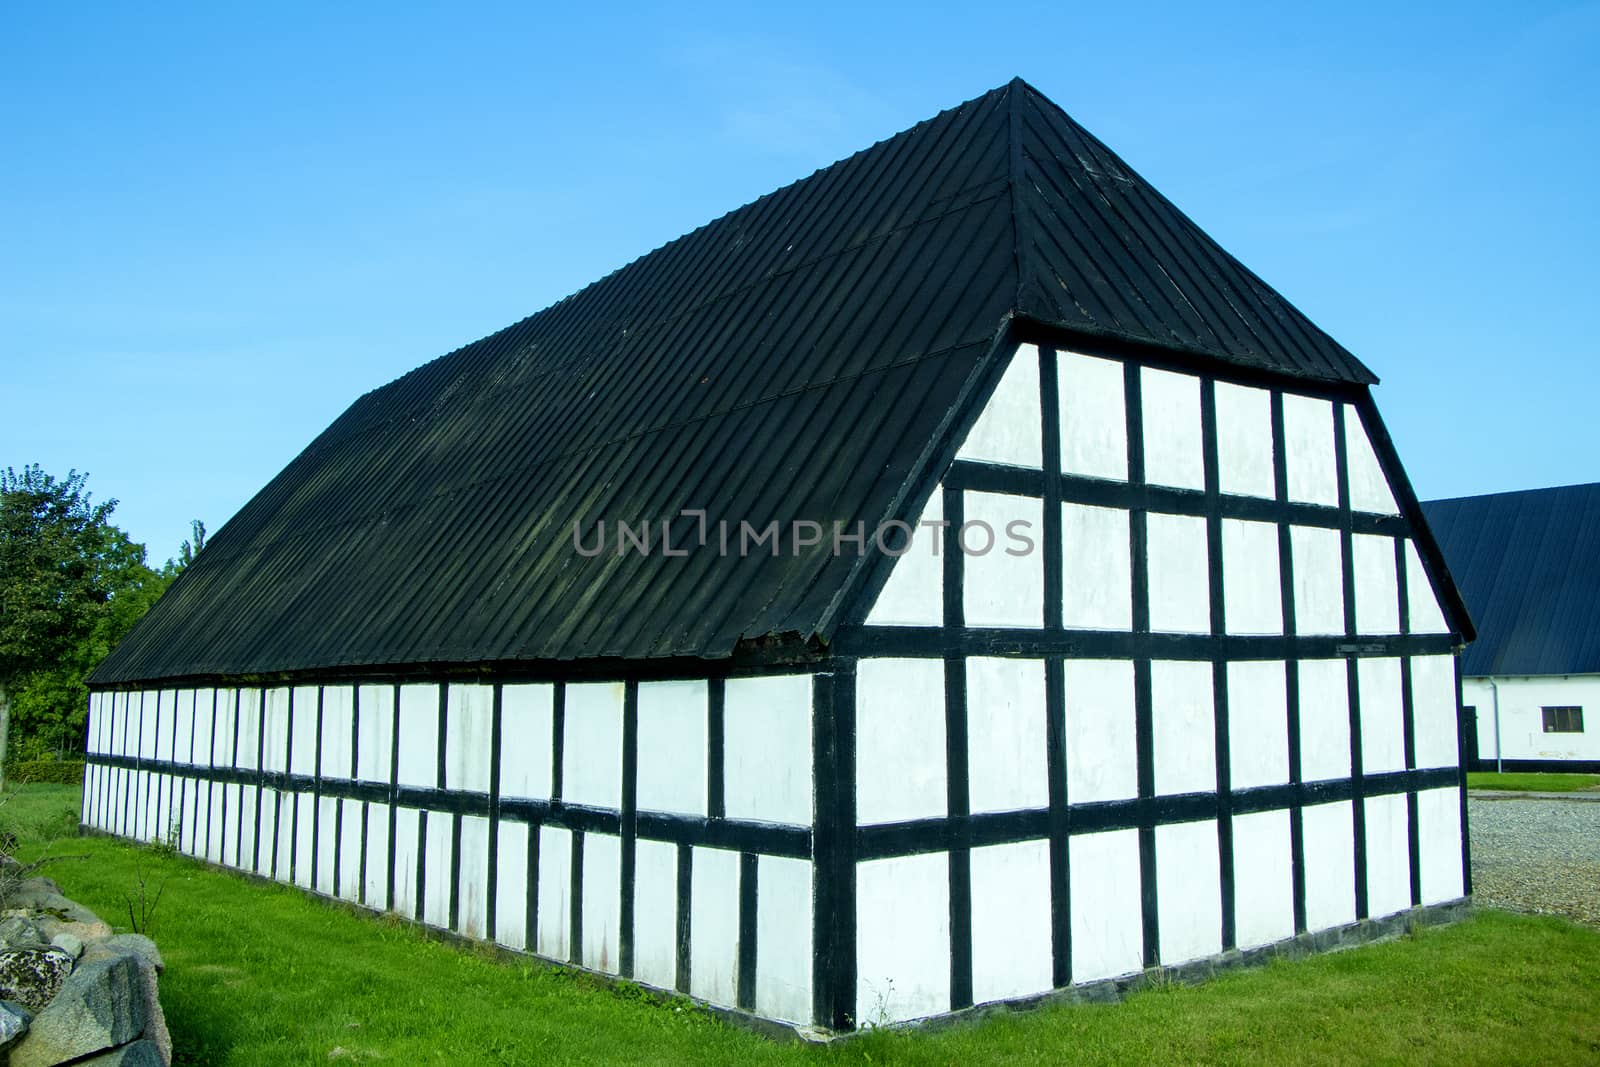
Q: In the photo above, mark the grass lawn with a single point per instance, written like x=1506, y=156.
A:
x=260, y=974
x=1533, y=783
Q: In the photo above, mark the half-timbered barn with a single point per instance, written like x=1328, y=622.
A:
x=947, y=579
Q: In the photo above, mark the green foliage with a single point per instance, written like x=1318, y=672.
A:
x=71, y=586
x=56, y=771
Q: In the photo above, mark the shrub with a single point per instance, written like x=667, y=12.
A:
x=60, y=772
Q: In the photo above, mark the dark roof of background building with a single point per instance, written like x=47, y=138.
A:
x=1528, y=565
x=799, y=358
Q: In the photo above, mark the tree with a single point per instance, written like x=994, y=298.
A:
x=71, y=585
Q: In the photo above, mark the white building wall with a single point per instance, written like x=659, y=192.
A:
x=295, y=783
x=1521, y=719
x=1275, y=495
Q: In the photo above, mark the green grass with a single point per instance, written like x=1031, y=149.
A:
x=260, y=974
x=1533, y=783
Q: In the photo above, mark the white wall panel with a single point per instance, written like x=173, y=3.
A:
x=437, y=872
x=655, y=913
x=914, y=592
x=275, y=730
x=469, y=737
x=783, y=939
x=767, y=748
x=1188, y=891
x=303, y=710
x=1011, y=951
x=554, y=935
x=1439, y=839
x=1312, y=468
x=1329, y=837
x=592, y=746
x=151, y=706
x=1382, y=722
x=902, y=938
x=226, y=731
x=1107, y=918
x=1252, y=590
x=1173, y=451
x=1318, y=565
x=1094, y=421
x=350, y=847
x=167, y=729
x=337, y=707
x=672, y=746
x=511, y=891
x=1183, y=721
x=374, y=732
x=1433, y=710
x=1262, y=882
x=96, y=725
x=273, y=848
x=404, y=859
x=1244, y=440
x=250, y=727
x=602, y=902
x=240, y=839
x=1377, y=594
x=900, y=740
x=1369, y=489
x=998, y=587
x=1258, y=723
x=183, y=733
x=1008, y=429
x=714, y=925
x=472, y=905
x=328, y=834
x=207, y=710
x=1180, y=574
x=1388, y=855
x=216, y=821
x=1101, y=737
x=375, y=887
x=1324, y=719
x=526, y=731
x=1426, y=617
x=302, y=827
x=1097, y=587
x=1006, y=734
x=419, y=735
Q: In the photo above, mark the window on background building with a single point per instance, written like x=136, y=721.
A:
x=1563, y=720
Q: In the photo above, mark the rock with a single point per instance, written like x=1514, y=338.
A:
x=42, y=898
x=14, y=1020
x=155, y=1026
x=100, y=1006
x=17, y=931
x=85, y=932
x=40, y=882
x=31, y=976
x=125, y=945
x=134, y=1054
x=69, y=943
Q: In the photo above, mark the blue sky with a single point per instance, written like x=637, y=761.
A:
x=220, y=226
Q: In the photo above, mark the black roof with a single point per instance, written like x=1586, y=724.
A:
x=1528, y=565
x=801, y=357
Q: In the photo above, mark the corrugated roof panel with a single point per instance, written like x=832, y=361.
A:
x=1528, y=565
x=794, y=359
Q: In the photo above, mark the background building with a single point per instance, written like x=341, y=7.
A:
x=1528, y=565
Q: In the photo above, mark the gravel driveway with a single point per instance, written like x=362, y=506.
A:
x=1537, y=855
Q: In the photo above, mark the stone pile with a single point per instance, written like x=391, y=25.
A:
x=71, y=991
